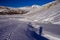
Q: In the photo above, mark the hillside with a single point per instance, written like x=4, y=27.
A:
x=48, y=13
x=10, y=11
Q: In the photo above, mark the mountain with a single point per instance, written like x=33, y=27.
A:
x=47, y=13
x=9, y=10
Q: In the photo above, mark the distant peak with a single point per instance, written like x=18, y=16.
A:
x=36, y=6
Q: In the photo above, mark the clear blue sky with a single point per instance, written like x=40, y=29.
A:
x=21, y=3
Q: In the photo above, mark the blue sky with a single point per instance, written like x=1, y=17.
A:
x=21, y=3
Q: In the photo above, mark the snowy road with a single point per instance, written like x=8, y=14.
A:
x=17, y=30
x=13, y=29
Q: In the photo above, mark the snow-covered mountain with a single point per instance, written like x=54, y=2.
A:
x=48, y=13
x=10, y=10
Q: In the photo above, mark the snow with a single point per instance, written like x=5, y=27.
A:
x=50, y=37
x=49, y=12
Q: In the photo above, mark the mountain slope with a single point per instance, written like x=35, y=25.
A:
x=9, y=10
x=48, y=13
